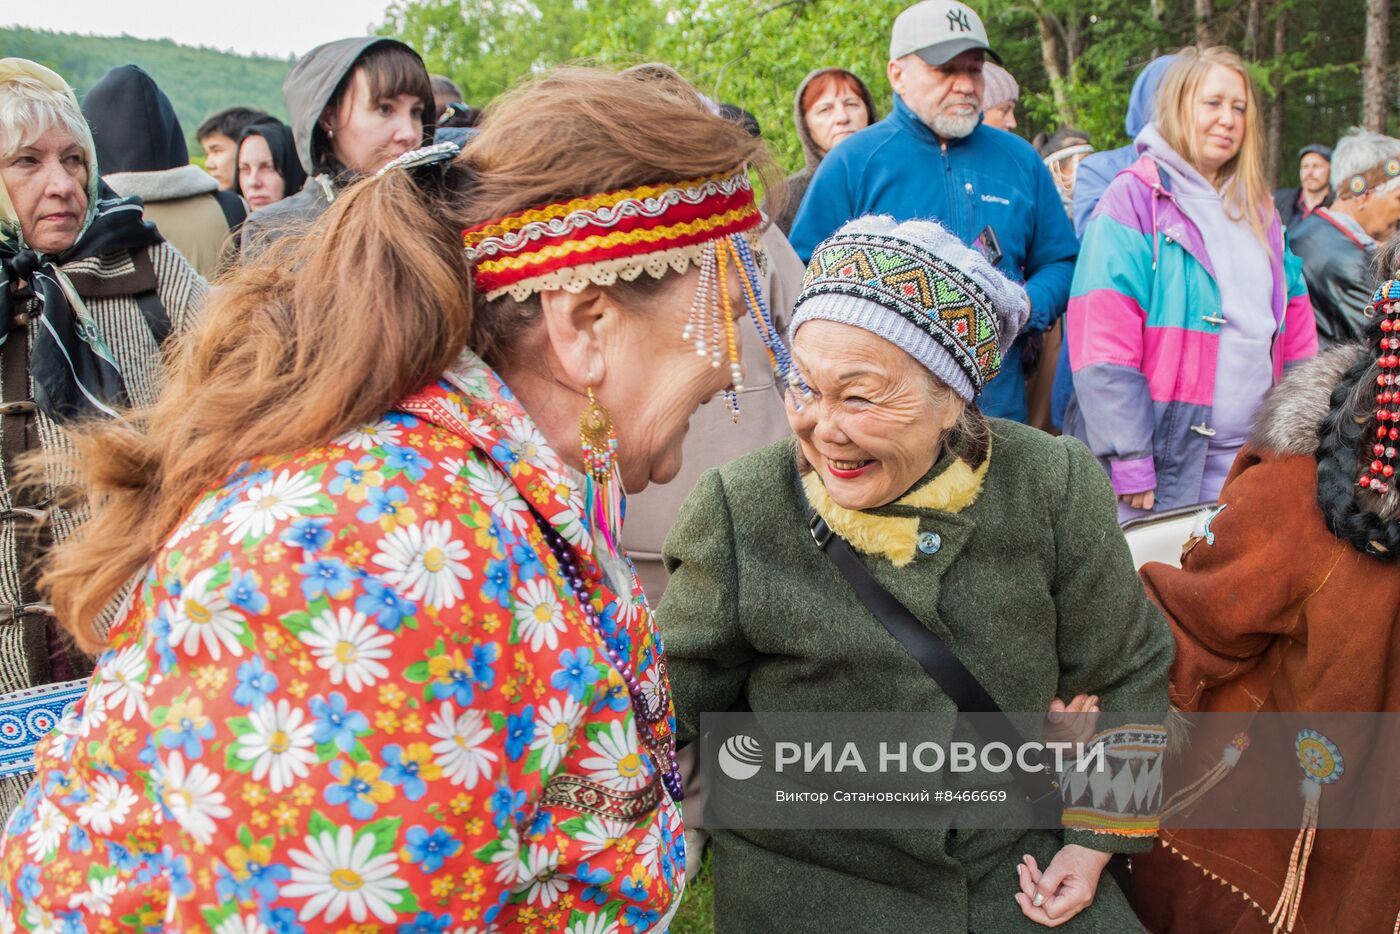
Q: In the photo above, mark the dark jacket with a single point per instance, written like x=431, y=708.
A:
x=1030, y=557
x=141, y=149
x=1337, y=268
x=798, y=181
x=307, y=89
x=1290, y=207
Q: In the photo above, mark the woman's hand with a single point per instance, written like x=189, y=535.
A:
x=1073, y=722
x=1142, y=500
x=1066, y=887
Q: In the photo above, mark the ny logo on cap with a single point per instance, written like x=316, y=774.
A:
x=958, y=19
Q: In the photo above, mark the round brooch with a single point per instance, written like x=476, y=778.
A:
x=1319, y=757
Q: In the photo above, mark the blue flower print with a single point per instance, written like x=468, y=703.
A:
x=175, y=869
x=361, y=786
x=349, y=474
x=614, y=697
x=428, y=851
x=506, y=456
x=160, y=628
x=280, y=920
x=71, y=922
x=405, y=771
x=595, y=879
x=640, y=918
x=29, y=885
x=407, y=460
x=507, y=805
x=327, y=577
x=335, y=723
x=243, y=592
x=78, y=839
x=255, y=683
x=186, y=730
x=632, y=887
x=121, y=857
x=575, y=673
x=527, y=563
x=310, y=535
x=483, y=657
x=382, y=501
x=380, y=601
x=426, y=923
x=402, y=419
x=496, y=585
x=539, y=825
x=520, y=732
x=254, y=880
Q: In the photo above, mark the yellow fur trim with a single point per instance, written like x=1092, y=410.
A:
x=896, y=537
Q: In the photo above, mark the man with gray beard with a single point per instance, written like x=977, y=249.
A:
x=932, y=157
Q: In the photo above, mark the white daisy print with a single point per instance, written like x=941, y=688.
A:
x=336, y=874
x=542, y=882
x=538, y=615
x=424, y=563
x=509, y=863
x=499, y=494
x=203, y=617
x=460, y=748
x=40, y=920
x=617, y=762
x=348, y=646
x=280, y=744
x=121, y=682
x=525, y=441
x=195, y=521
x=98, y=898
x=263, y=506
x=50, y=824
x=555, y=730
x=365, y=437
x=242, y=924
x=649, y=850
x=601, y=834
x=193, y=797
x=111, y=801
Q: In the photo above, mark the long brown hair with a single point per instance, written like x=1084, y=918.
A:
x=331, y=330
x=1242, y=181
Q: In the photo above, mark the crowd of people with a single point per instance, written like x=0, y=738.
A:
x=376, y=525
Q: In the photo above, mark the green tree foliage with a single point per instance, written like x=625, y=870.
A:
x=198, y=81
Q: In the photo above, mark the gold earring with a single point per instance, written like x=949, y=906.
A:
x=599, y=441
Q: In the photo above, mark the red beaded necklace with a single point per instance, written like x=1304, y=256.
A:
x=1380, y=476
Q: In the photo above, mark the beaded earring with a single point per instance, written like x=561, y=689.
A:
x=602, y=485
x=1379, y=477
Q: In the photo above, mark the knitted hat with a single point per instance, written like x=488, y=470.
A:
x=999, y=86
x=920, y=288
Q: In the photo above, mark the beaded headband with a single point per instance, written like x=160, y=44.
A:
x=1362, y=182
x=596, y=239
x=1379, y=475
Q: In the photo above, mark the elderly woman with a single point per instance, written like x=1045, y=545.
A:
x=830, y=105
x=88, y=294
x=388, y=664
x=991, y=534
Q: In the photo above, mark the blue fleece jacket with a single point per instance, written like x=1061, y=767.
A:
x=990, y=178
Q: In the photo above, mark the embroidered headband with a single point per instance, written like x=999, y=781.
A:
x=1362, y=182
x=598, y=238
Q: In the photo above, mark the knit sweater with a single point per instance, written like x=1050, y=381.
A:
x=755, y=611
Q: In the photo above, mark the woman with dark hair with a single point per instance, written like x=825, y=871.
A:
x=355, y=104
x=268, y=167
x=388, y=662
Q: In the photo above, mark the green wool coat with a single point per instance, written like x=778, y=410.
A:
x=1035, y=590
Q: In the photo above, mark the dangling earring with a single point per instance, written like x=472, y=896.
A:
x=603, y=486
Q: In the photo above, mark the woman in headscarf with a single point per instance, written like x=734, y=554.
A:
x=998, y=537
x=830, y=105
x=388, y=663
x=268, y=167
x=89, y=293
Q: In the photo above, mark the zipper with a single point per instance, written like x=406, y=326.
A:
x=948, y=184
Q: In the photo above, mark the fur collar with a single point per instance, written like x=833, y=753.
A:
x=165, y=185
x=1290, y=420
x=896, y=537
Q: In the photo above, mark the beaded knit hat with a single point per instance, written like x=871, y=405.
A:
x=920, y=288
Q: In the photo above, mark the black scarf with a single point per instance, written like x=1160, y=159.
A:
x=75, y=374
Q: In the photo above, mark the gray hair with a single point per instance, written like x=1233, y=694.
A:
x=1360, y=151
x=29, y=109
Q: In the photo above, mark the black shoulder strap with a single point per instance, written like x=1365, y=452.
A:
x=232, y=206
x=934, y=656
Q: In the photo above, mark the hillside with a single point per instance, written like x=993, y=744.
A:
x=198, y=81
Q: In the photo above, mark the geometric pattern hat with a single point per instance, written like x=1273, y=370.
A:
x=919, y=287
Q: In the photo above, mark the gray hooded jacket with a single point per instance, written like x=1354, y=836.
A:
x=307, y=89
x=797, y=182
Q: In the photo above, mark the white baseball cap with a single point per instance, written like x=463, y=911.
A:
x=938, y=31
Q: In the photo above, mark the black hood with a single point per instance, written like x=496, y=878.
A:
x=284, y=154
x=133, y=125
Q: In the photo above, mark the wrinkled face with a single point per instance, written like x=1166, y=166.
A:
x=658, y=380
x=258, y=177
x=948, y=99
x=837, y=114
x=1314, y=173
x=1219, y=119
x=47, y=181
x=366, y=133
x=1002, y=116
x=875, y=422
x=1379, y=213
x=219, y=159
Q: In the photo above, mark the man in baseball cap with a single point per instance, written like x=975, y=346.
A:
x=934, y=158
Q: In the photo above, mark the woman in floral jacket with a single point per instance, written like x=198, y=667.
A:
x=387, y=663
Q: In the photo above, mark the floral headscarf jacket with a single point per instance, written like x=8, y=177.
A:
x=355, y=687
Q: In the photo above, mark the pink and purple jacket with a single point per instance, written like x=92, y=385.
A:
x=1143, y=328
